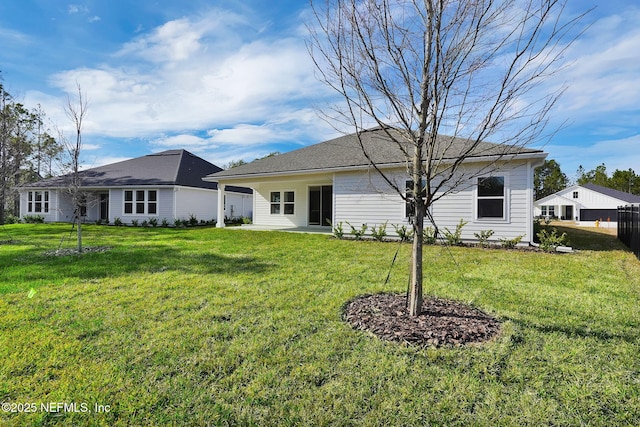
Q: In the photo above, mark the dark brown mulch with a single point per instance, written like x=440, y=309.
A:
x=441, y=323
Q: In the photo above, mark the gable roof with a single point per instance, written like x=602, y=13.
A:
x=616, y=194
x=171, y=167
x=345, y=152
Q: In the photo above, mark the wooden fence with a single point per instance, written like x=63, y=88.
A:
x=629, y=227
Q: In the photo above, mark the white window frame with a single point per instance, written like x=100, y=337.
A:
x=281, y=204
x=140, y=199
x=32, y=200
x=505, y=198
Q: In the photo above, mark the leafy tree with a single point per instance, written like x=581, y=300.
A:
x=596, y=176
x=234, y=163
x=423, y=69
x=549, y=179
x=625, y=180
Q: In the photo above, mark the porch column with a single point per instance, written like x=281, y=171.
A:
x=220, y=223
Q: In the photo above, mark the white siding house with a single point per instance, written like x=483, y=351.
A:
x=584, y=204
x=332, y=182
x=164, y=186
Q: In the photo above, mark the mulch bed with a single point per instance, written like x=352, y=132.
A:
x=441, y=323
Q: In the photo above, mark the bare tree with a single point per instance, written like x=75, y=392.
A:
x=75, y=109
x=422, y=69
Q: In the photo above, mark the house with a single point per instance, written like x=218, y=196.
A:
x=166, y=185
x=585, y=204
x=333, y=182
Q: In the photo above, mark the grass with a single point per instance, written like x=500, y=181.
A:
x=204, y=326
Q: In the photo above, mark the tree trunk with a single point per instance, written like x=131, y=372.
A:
x=415, y=292
x=79, y=222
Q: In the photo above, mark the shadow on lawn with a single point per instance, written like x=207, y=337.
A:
x=147, y=258
x=577, y=331
x=589, y=239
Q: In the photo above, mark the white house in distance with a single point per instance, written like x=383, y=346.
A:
x=584, y=204
x=166, y=185
x=333, y=182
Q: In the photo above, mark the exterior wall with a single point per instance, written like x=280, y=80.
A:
x=56, y=204
x=364, y=197
x=202, y=204
x=238, y=205
x=116, y=205
x=300, y=186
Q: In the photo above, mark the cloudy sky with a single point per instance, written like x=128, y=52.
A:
x=232, y=80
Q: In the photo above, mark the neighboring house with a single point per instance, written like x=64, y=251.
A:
x=333, y=182
x=584, y=203
x=166, y=185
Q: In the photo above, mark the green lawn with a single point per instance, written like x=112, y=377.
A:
x=203, y=326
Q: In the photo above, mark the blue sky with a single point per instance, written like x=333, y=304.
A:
x=232, y=80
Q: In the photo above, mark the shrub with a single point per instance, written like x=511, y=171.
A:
x=511, y=243
x=379, y=233
x=33, y=219
x=134, y=222
x=455, y=238
x=338, y=230
x=177, y=222
x=246, y=220
x=117, y=221
x=403, y=232
x=153, y=222
x=358, y=232
x=11, y=219
x=145, y=223
x=193, y=221
x=483, y=237
x=165, y=223
x=429, y=236
x=549, y=241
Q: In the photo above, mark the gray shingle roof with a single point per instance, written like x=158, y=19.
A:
x=616, y=194
x=171, y=167
x=345, y=152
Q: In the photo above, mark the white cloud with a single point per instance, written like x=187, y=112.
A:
x=188, y=75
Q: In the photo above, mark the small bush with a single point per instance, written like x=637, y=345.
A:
x=144, y=223
x=177, y=222
x=246, y=220
x=117, y=221
x=33, y=219
x=193, y=221
x=153, y=222
x=379, y=233
x=483, y=237
x=11, y=219
x=510, y=243
x=134, y=222
x=429, y=236
x=403, y=232
x=455, y=238
x=358, y=232
x=338, y=230
x=549, y=241
x=165, y=222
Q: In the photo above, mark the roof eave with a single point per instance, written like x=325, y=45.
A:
x=477, y=159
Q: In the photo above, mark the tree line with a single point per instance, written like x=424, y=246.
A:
x=27, y=151
x=549, y=179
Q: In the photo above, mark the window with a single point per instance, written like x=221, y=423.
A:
x=38, y=202
x=289, y=199
x=141, y=202
x=275, y=203
x=575, y=194
x=409, y=210
x=543, y=210
x=283, y=204
x=552, y=211
x=491, y=197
